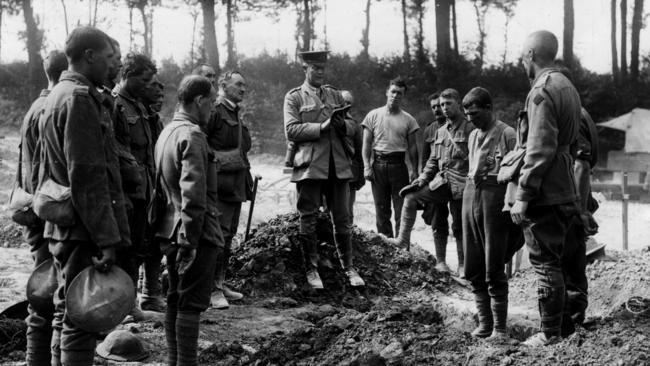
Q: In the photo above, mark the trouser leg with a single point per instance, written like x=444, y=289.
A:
x=39, y=322
x=398, y=178
x=338, y=196
x=229, y=221
x=440, y=228
x=574, y=263
x=381, y=194
x=189, y=294
x=545, y=236
x=309, y=192
x=456, y=208
x=75, y=346
x=409, y=210
x=353, y=198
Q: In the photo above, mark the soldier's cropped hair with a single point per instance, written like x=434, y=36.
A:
x=198, y=70
x=54, y=64
x=226, y=76
x=192, y=86
x=136, y=64
x=481, y=97
x=398, y=82
x=433, y=96
x=82, y=39
x=114, y=43
x=450, y=93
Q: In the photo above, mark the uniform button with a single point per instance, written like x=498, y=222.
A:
x=113, y=201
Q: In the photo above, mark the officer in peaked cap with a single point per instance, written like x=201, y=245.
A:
x=321, y=163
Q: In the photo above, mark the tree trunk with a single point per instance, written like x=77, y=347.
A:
x=454, y=28
x=231, y=61
x=365, y=35
x=419, y=38
x=307, y=26
x=480, y=22
x=147, y=30
x=637, y=23
x=613, y=41
x=35, y=76
x=443, y=46
x=624, y=39
x=195, y=15
x=131, y=28
x=569, y=25
x=505, y=40
x=210, y=34
x=407, y=52
x=65, y=17
x=95, y=13
x=1, y=11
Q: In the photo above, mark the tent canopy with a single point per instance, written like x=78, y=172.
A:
x=636, y=125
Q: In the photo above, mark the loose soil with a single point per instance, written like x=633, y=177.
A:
x=408, y=314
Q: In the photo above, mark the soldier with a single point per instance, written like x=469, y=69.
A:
x=79, y=153
x=39, y=325
x=434, y=214
x=226, y=131
x=442, y=180
x=357, y=181
x=189, y=229
x=388, y=134
x=485, y=225
x=545, y=200
x=206, y=71
x=151, y=298
x=136, y=138
x=113, y=70
x=321, y=165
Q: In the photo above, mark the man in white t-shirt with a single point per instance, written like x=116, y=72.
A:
x=388, y=134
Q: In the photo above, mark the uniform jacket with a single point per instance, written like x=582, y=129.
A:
x=448, y=157
x=587, y=143
x=188, y=175
x=305, y=108
x=553, y=111
x=223, y=134
x=79, y=152
x=133, y=132
x=29, y=144
x=428, y=137
x=487, y=149
x=355, y=145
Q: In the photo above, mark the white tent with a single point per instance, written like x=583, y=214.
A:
x=636, y=125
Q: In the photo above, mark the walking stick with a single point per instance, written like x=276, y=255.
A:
x=252, y=206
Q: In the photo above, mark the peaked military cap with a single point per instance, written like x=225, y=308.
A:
x=312, y=57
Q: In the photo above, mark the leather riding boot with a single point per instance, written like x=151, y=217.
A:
x=309, y=245
x=485, y=320
x=187, y=335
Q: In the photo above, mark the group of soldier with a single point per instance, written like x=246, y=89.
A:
x=141, y=191
x=502, y=186
x=138, y=191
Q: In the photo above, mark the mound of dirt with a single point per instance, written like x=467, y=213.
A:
x=271, y=264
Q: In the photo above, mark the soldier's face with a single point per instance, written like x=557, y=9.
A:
x=205, y=106
x=394, y=96
x=315, y=74
x=100, y=62
x=116, y=64
x=435, y=108
x=235, y=88
x=137, y=84
x=450, y=107
x=479, y=116
x=209, y=73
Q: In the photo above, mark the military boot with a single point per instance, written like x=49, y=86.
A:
x=461, y=255
x=151, y=286
x=309, y=247
x=485, y=320
x=407, y=220
x=500, y=316
x=345, y=251
x=440, y=242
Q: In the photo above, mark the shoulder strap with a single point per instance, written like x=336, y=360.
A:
x=452, y=140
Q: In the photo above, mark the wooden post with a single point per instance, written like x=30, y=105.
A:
x=625, y=199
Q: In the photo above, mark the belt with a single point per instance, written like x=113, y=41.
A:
x=389, y=156
x=491, y=179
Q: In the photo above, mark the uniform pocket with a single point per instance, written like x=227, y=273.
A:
x=303, y=155
x=310, y=113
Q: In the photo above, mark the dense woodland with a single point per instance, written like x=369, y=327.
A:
x=270, y=76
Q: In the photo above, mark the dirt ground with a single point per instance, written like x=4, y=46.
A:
x=408, y=314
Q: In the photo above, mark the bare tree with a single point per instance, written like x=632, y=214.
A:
x=210, y=34
x=65, y=17
x=34, y=42
x=508, y=9
x=417, y=10
x=624, y=39
x=454, y=27
x=481, y=8
x=637, y=24
x=195, y=14
x=612, y=40
x=569, y=25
